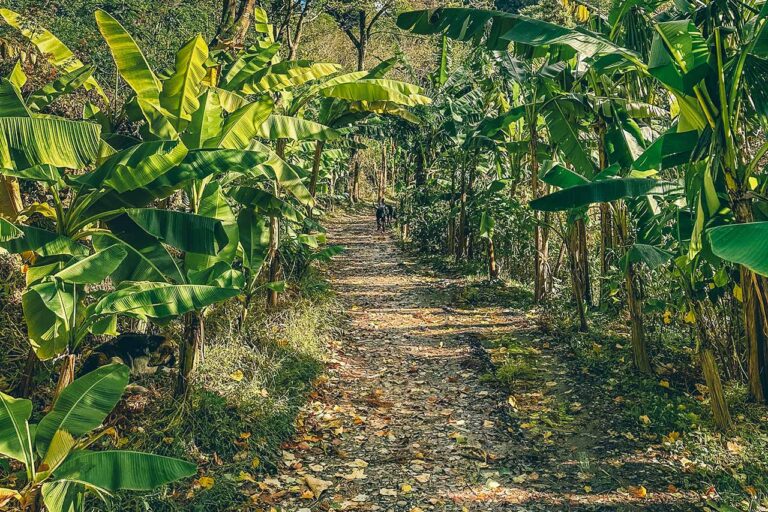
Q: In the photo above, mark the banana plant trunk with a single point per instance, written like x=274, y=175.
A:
x=493, y=269
x=66, y=375
x=355, y=164
x=451, y=219
x=606, y=222
x=635, y=305
x=10, y=198
x=461, y=247
x=316, y=167
x=273, y=253
x=710, y=369
x=575, y=255
x=540, y=254
x=189, y=350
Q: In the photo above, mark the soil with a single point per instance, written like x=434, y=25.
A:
x=407, y=418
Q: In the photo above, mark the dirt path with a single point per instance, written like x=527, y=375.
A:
x=405, y=421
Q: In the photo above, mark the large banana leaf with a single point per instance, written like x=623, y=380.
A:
x=185, y=231
x=250, y=62
x=278, y=169
x=50, y=140
x=63, y=496
x=213, y=204
x=375, y=90
x=135, y=167
x=130, y=62
x=745, y=244
x=562, y=121
x=123, y=470
x=64, y=84
x=220, y=274
x=43, y=243
x=679, y=55
x=95, y=268
x=180, y=91
x=651, y=255
x=8, y=231
x=11, y=102
x=288, y=74
x=671, y=149
x=55, y=52
x=254, y=238
x=48, y=312
x=15, y=438
x=242, y=126
x=467, y=24
x=44, y=173
x=146, y=258
x=599, y=192
x=83, y=405
x=294, y=128
x=206, y=121
x=161, y=300
x=562, y=177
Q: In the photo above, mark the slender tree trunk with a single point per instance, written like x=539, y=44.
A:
x=709, y=367
x=189, y=350
x=273, y=252
x=354, y=164
x=66, y=375
x=577, y=271
x=316, y=167
x=451, y=218
x=606, y=223
x=24, y=387
x=584, y=261
x=461, y=248
x=639, y=343
x=493, y=269
x=362, y=46
x=539, y=235
x=753, y=290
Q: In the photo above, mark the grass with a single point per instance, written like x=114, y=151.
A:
x=242, y=406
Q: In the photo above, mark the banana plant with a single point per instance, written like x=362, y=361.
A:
x=60, y=466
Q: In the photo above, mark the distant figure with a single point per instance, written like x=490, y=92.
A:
x=142, y=353
x=391, y=214
x=381, y=216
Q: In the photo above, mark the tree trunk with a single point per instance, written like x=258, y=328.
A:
x=753, y=290
x=189, y=350
x=539, y=236
x=493, y=269
x=584, y=261
x=24, y=387
x=354, y=193
x=66, y=375
x=316, y=167
x=451, y=219
x=461, y=247
x=639, y=344
x=577, y=271
x=606, y=223
x=236, y=18
x=362, y=45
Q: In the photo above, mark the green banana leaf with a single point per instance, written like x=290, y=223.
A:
x=375, y=90
x=651, y=255
x=294, y=128
x=8, y=231
x=599, y=192
x=130, y=62
x=213, y=204
x=50, y=140
x=15, y=438
x=135, y=167
x=745, y=244
x=248, y=64
x=44, y=173
x=54, y=51
x=161, y=300
x=64, y=84
x=562, y=177
x=562, y=121
x=671, y=149
x=207, y=120
x=185, y=231
x=180, y=91
x=11, y=102
x=63, y=496
x=254, y=238
x=242, y=126
x=83, y=405
x=288, y=74
x=43, y=243
x=123, y=470
x=146, y=258
x=278, y=169
x=48, y=311
x=95, y=268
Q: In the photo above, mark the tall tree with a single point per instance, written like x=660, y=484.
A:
x=357, y=20
x=236, y=17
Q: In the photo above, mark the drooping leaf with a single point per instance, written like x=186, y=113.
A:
x=254, y=238
x=15, y=439
x=599, y=192
x=123, y=470
x=294, y=128
x=161, y=300
x=83, y=405
x=745, y=244
x=185, y=231
x=95, y=268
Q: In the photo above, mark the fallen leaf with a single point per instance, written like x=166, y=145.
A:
x=316, y=485
x=423, y=478
x=388, y=492
x=638, y=491
x=206, y=482
x=237, y=375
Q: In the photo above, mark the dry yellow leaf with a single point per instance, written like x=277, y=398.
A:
x=237, y=375
x=737, y=293
x=406, y=488
x=664, y=383
x=206, y=482
x=645, y=419
x=638, y=491
x=667, y=317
